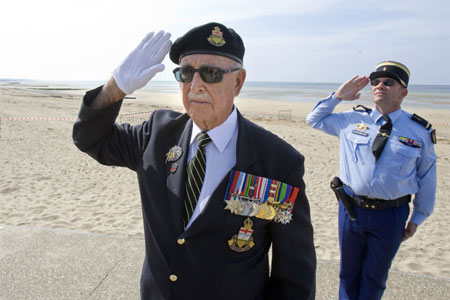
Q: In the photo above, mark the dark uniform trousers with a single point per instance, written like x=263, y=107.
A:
x=368, y=246
x=198, y=263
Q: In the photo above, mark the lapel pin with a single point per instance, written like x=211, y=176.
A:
x=174, y=154
x=173, y=168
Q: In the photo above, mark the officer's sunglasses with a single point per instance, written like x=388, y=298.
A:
x=387, y=82
x=208, y=74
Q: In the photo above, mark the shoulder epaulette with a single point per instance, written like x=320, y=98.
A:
x=421, y=121
x=427, y=125
x=433, y=136
x=361, y=108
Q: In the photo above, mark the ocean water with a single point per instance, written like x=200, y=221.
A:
x=430, y=96
x=427, y=96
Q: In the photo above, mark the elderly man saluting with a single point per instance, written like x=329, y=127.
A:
x=386, y=156
x=217, y=190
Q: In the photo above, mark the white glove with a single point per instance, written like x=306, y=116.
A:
x=143, y=63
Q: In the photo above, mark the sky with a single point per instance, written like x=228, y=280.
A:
x=288, y=41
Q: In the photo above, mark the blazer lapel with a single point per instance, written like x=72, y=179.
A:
x=213, y=210
x=175, y=181
x=246, y=151
x=245, y=158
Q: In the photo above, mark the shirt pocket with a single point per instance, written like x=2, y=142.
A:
x=359, y=145
x=407, y=156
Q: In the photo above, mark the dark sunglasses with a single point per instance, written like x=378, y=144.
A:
x=208, y=74
x=387, y=82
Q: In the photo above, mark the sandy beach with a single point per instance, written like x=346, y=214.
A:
x=47, y=182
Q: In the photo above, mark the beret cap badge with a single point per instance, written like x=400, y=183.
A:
x=216, y=37
x=211, y=38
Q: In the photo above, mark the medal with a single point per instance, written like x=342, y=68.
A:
x=174, y=154
x=283, y=216
x=255, y=209
x=255, y=196
x=232, y=205
x=266, y=212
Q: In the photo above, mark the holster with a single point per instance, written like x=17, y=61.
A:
x=338, y=188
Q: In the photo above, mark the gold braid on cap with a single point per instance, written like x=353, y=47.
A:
x=395, y=64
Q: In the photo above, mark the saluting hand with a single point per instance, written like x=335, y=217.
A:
x=143, y=63
x=349, y=90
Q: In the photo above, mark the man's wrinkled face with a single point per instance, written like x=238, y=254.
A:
x=210, y=104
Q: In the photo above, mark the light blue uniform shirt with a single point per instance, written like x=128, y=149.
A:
x=400, y=170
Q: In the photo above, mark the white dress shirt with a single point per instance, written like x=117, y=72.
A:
x=220, y=158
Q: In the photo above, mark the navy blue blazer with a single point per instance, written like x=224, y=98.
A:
x=204, y=265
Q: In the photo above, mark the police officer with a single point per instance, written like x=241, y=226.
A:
x=386, y=156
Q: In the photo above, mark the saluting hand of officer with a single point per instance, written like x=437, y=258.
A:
x=349, y=90
x=143, y=62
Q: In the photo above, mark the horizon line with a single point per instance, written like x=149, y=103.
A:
x=13, y=80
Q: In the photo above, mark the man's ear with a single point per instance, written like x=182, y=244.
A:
x=240, y=78
x=404, y=92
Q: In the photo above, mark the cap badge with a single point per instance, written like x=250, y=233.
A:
x=243, y=241
x=216, y=37
x=384, y=69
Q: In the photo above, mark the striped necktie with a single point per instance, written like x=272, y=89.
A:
x=382, y=137
x=195, y=176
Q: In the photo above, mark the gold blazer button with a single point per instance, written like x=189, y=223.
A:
x=173, y=277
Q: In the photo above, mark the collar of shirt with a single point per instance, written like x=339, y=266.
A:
x=376, y=115
x=220, y=135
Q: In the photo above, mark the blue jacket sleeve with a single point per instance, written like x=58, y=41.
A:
x=323, y=118
x=425, y=198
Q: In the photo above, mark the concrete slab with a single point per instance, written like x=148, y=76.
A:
x=39, y=263
x=400, y=285
x=42, y=263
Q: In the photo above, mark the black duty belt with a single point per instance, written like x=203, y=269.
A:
x=379, y=204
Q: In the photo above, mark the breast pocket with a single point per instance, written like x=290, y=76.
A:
x=360, y=146
x=406, y=157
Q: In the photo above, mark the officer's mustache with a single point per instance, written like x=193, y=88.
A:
x=201, y=97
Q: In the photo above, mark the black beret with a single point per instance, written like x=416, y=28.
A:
x=392, y=69
x=211, y=38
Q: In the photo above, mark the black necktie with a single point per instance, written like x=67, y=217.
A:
x=195, y=176
x=382, y=137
